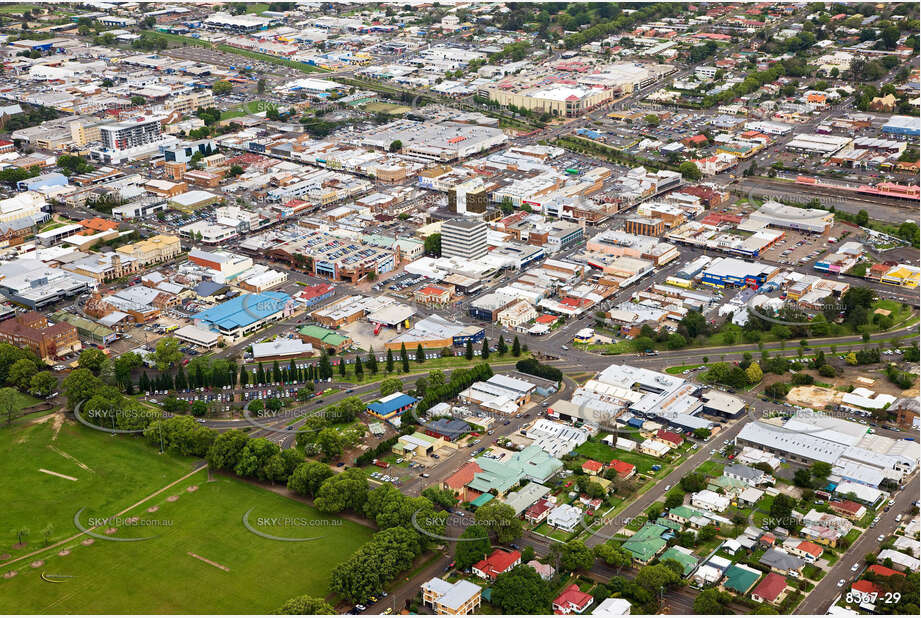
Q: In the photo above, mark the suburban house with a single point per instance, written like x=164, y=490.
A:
x=771, y=589
x=848, y=508
x=613, y=607
x=669, y=437
x=748, y=475
x=782, y=563
x=710, y=501
x=592, y=467
x=458, y=599
x=740, y=579
x=572, y=601
x=544, y=570
x=565, y=517
x=623, y=469
x=807, y=550
x=538, y=511
x=496, y=564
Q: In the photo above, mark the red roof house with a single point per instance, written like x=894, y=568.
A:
x=537, y=512
x=809, y=550
x=623, y=469
x=592, y=467
x=879, y=569
x=572, y=601
x=669, y=437
x=865, y=587
x=771, y=589
x=496, y=564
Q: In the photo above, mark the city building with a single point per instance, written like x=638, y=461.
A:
x=32, y=331
x=463, y=238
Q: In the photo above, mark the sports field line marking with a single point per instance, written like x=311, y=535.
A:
x=211, y=562
x=70, y=457
x=122, y=512
x=58, y=474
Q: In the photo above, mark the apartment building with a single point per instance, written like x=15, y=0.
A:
x=458, y=599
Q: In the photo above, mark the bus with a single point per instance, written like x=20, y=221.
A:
x=573, y=171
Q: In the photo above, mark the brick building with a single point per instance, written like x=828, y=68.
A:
x=31, y=330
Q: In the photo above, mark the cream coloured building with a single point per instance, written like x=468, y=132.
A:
x=155, y=249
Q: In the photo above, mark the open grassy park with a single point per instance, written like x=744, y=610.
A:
x=200, y=559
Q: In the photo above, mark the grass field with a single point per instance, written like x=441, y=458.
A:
x=157, y=575
x=250, y=107
x=120, y=472
x=16, y=9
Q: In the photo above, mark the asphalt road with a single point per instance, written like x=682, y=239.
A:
x=826, y=591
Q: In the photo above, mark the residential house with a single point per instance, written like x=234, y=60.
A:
x=572, y=601
x=771, y=589
x=538, y=511
x=747, y=474
x=740, y=579
x=565, y=517
x=669, y=437
x=807, y=550
x=544, y=570
x=782, y=563
x=496, y=564
x=592, y=467
x=848, y=508
x=623, y=469
x=710, y=501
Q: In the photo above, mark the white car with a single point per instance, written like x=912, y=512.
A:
x=892, y=503
x=881, y=538
x=840, y=583
x=856, y=567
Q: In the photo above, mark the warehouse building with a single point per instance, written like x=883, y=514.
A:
x=246, y=313
x=722, y=272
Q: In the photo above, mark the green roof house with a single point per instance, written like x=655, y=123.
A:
x=646, y=543
x=740, y=578
x=682, y=556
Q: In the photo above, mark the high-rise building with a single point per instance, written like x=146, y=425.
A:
x=463, y=238
x=130, y=133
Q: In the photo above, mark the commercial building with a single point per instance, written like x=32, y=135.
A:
x=390, y=406
x=463, y=238
x=725, y=271
x=907, y=126
x=155, y=249
x=775, y=214
x=245, y=313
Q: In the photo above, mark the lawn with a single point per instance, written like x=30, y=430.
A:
x=120, y=472
x=711, y=468
x=604, y=453
x=154, y=576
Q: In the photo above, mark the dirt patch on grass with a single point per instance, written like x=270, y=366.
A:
x=814, y=396
x=68, y=455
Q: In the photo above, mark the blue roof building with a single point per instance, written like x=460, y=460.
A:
x=245, y=313
x=53, y=179
x=391, y=405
